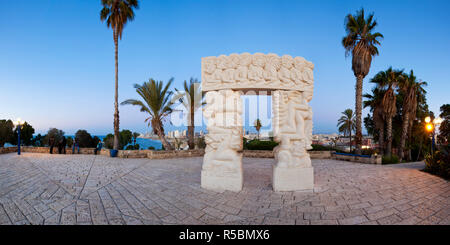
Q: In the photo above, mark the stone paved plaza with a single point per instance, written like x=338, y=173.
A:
x=87, y=189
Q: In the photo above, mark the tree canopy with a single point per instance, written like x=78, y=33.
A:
x=6, y=132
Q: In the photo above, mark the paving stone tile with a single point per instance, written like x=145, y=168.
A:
x=353, y=220
x=389, y=220
x=324, y=222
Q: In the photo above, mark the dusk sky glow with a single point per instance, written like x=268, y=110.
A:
x=57, y=58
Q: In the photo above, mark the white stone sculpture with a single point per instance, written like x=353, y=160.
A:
x=222, y=163
x=292, y=127
x=265, y=72
x=291, y=82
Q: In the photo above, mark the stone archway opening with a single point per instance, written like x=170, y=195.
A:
x=290, y=83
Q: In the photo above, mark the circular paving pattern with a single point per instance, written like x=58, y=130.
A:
x=88, y=189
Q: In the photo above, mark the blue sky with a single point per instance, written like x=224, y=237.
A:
x=57, y=59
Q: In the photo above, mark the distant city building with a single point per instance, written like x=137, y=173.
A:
x=264, y=135
x=342, y=142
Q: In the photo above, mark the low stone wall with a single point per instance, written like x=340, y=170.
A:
x=269, y=154
x=8, y=150
x=258, y=154
x=55, y=150
x=369, y=160
x=320, y=154
x=153, y=154
x=175, y=154
x=132, y=153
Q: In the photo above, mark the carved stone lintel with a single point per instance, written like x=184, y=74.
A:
x=258, y=71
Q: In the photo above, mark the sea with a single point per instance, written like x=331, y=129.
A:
x=144, y=144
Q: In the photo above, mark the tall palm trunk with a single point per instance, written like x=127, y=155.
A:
x=191, y=128
x=405, y=124
x=116, y=97
x=389, y=137
x=409, y=155
x=160, y=132
x=350, y=130
x=420, y=149
x=381, y=139
x=358, y=111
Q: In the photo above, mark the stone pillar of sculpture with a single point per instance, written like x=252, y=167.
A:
x=222, y=163
x=292, y=128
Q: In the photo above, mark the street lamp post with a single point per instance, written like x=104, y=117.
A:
x=19, y=124
x=431, y=127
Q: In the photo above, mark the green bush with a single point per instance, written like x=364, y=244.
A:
x=368, y=152
x=200, y=142
x=151, y=148
x=390, y=160
x=133, y=147
x=125, y=137
x=244, y=143
x=85, y=139
x=439, y=163
x=365, y=151
x=69, y=141
x=259, y=145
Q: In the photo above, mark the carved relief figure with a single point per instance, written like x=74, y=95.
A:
x=256, y=69
x=235, y=59
x=292, y=127
x=222, y=150
x=298, y=70
x=242, y=70
x=308, y=74
x=271, y=68
x=285, y=71
x=224, y=139
x=211, y=74
x=227, y=66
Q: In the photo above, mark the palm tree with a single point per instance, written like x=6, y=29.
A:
x=192, y=99
x=334, y=141
x=362, y=44
x=389, y=81
x=257, y=126
x=374, y=102
x=346, y=124
x=411, y=89
x=135, y=135
x=117, y=13
x=156, y=102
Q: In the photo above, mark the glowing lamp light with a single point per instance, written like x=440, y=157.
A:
x=437, y=121
x=427, y=119
x=429, y=127
x=19, y=122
